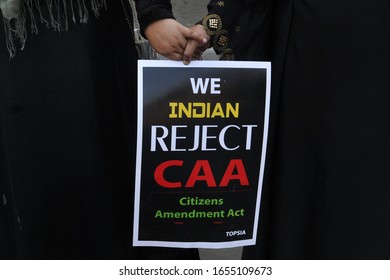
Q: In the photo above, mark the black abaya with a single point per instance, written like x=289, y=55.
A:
x=327, y=194
x=67, y=144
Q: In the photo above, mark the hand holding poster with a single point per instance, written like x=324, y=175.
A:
x=201, y=147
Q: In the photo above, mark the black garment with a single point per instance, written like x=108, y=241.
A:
x=240, y=30
x=327, y=194
x=67, y=144
x=152, y=10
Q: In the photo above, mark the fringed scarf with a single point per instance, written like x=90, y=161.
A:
x=16, y=12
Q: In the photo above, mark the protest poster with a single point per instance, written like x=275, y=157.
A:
x=201, y=147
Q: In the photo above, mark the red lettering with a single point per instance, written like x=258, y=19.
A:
x=159, y=174
x=235, y=164
x=202, y=172
x=207, y=174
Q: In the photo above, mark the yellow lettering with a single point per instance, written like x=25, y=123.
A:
x=218, y=111
x=199, y=110
x=199, y=114
x=173, y=106
x=185, y=110
x=231, y=110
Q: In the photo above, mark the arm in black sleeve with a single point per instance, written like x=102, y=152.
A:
x=153, y=10
x=229, y=22
x=230, y=10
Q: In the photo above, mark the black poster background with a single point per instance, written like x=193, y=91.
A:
x=162, y=85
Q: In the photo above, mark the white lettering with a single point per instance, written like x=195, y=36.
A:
x=215, y=86
x=200, y=84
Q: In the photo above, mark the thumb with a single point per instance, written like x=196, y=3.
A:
x=189, y=51
x=191, y=34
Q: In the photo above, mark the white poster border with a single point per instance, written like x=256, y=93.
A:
x=140, y=105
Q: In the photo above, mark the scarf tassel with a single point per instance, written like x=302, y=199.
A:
x=58, y=11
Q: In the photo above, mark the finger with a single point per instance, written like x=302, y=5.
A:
x=171, y=48
x=195, y=35
x=197, y=52
x=203, y=48
x=174, y=56
x=189, y=51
